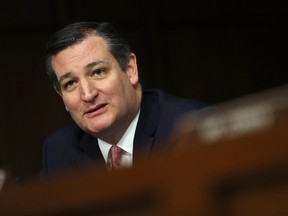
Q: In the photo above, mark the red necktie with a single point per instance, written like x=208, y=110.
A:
x=115, y=154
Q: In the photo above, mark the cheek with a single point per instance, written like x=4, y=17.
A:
x=112, y=87
x=70, y=103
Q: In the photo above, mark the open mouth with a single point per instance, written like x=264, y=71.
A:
x=95, y=109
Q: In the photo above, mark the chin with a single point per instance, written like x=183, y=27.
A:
x=96, y=128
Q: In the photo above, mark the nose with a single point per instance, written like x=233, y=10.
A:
x=89, y=91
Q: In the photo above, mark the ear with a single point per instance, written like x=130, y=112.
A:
x=58, y=91
x=132, y=70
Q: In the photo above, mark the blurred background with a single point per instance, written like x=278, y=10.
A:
x=206, y=50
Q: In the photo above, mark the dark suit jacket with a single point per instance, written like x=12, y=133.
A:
x=70, y=147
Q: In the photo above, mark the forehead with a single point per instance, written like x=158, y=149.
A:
x=93, y=48
x=91, y=43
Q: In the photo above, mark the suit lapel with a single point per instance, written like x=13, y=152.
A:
x=146, y=126
x=89, y=146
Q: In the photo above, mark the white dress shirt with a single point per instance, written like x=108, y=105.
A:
x=126, y=143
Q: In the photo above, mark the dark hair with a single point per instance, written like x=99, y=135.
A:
x=77, y=32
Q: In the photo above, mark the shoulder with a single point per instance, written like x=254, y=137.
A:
x=62, y=150
x=168, y=100
x=167, y=108
x=69, y=134
x=163, y=109
x=65, y=144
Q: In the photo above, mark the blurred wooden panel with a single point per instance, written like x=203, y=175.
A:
x=223, y=163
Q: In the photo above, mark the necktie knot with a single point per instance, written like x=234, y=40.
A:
x=115, y=154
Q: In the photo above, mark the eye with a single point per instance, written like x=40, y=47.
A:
x=69, y=84
x=98, y=73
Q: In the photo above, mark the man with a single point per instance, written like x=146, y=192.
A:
x=96, y=75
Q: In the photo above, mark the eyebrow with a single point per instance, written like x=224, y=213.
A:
x=65, y=76
x=88, y=66
x=92, y=64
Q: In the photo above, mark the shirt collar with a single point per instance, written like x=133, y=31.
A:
x=126, y=141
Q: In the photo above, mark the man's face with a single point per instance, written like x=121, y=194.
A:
x=97, y=93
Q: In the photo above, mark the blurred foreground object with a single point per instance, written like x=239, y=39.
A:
x=240, y=117
x=2, y=178
x=229, y=160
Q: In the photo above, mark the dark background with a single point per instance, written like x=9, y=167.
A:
x=206, y=50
